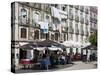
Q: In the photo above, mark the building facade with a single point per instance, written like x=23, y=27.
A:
x=57, y=22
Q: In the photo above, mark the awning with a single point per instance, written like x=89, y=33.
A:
x=67, y=43
x=40, y=48
x=54, y=48
x=91, y=47
x=23, y=43
x=72, y=44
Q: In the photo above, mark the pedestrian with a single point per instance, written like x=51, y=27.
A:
x=62, y=59
x=43, y=62
x=52, y=60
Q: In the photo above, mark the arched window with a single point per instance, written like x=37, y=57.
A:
x=23, y=13
x=35, y=17
x=23, y=16
x=23, y=33
x=47, y=18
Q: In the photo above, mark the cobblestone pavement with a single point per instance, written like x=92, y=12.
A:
x=81, y=65
x=76, y=66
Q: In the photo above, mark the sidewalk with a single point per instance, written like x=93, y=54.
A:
x=79, y=65
x=58, y=67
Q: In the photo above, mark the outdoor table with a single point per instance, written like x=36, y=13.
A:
x=25, y=63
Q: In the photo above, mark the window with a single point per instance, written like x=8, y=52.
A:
x=36, y=17
x=81, y=14
x=24, y=13
x=56, y=36
x=82, y=39
x=26, y=54
x=76, y=38
x=23, y=54
x=56, y=5
x=64, y=37
x=52, y=36
x=23, y=33
x=76, y=28
x=44, y=36
x=36, y=34
x=47, y=18
x=23, y=17
x=70, y=11
x=64, y=8
x=71, y=36
x=76, y=12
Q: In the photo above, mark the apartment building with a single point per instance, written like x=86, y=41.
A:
x=57, y=22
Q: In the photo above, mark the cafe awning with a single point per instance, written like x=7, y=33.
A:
x=91, y=47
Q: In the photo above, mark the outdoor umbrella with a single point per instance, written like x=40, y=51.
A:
x=50, y=43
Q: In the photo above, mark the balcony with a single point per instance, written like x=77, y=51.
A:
x=91, y=19
x=71, y=16
x=95, y=21
x=70, y=30
x=92, y=29
x=50, y=28
x=87, y=33
x=77, y=7
x=81, y=8
x=71, y=5
x=86, y=22
x=76, y=31
x=65, y=29
x=24, y=21
x=82, y=32
x=82, y=20
x=86, y=11
x=76, y=18
x=35, y=25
